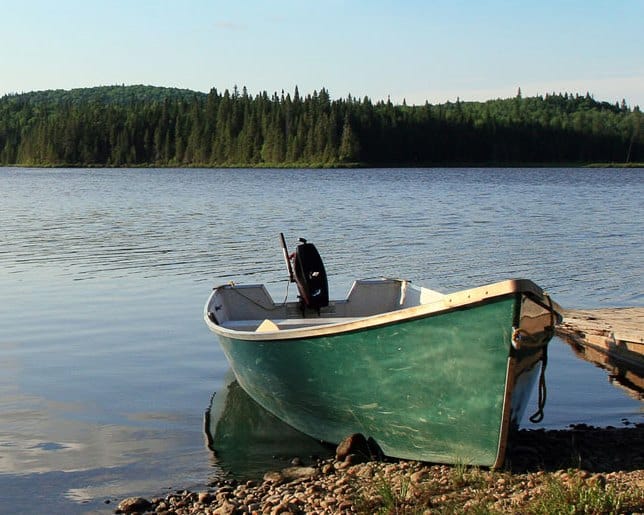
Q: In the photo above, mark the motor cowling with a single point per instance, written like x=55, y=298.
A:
x=310, y=276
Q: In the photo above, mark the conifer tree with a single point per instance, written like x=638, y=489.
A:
x=349, y=145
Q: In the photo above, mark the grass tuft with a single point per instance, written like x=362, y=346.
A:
x=577, y=497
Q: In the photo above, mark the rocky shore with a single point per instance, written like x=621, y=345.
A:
x=582, y=470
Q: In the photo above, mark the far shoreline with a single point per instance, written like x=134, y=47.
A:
x=326, y=166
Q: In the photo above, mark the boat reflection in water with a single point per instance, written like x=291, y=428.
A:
x=627, y=374
x=247, y=441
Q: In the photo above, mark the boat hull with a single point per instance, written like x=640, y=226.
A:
x=442, y=388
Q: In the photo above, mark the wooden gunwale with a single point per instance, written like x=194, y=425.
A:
x=449, y=302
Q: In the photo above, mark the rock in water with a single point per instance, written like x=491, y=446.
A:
x=133, y=504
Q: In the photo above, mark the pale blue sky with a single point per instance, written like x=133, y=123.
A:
x=412, y=49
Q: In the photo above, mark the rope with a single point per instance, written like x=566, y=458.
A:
x=288, y=283
x=258, y=304
x=538, y=415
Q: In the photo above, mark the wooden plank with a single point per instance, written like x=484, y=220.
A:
x=618, y=332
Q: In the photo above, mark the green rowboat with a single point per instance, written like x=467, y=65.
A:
x=429, y=377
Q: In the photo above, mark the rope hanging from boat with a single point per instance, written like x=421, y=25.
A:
x=538, y=415
x=259, y=304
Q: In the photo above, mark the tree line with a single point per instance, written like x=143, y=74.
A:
x=151, y=126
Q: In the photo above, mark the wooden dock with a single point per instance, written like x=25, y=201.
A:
x=610, y=337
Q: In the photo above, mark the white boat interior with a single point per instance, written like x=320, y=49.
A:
x=251, y=307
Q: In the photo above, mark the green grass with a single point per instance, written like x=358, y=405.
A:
x=615, y=165
x=465, y=475
x=577, y=497
x=393, y=497
x=574, y=496
x=385, y=498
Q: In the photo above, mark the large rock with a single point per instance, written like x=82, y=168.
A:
x=356, y=445
x=290, y=474
x=375, y=450
x=134, y=505
x=293, y=473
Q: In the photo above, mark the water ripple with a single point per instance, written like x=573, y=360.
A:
x=449, y=228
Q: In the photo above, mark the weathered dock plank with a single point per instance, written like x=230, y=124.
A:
x=617, y=332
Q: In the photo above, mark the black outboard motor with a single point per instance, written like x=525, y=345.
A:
x=310, y=276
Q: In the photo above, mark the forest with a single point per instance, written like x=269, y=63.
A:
x=153, y=126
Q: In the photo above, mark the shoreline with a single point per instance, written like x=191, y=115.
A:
x=326, y=166
x=545, y=470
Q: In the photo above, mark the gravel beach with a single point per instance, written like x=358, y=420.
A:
x=603, y=469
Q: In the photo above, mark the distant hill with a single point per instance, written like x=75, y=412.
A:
x=155, y=126
x=106, y=95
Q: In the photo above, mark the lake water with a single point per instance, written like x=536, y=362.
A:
x=106, y=367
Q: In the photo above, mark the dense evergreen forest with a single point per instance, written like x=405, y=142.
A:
x=145, y=125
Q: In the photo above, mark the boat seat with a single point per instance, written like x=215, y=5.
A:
x=283, y=323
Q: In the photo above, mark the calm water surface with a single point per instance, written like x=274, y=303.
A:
x=106, y=368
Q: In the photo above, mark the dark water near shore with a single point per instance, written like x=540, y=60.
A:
x=106, y=368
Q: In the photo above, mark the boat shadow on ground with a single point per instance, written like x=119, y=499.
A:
x=248, y=441
x=584, y=447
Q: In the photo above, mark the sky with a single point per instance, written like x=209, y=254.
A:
x=412, y=50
